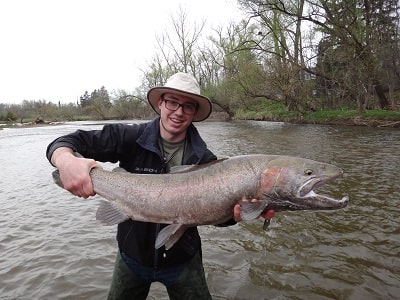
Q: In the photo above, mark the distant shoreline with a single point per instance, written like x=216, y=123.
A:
x=355, y=121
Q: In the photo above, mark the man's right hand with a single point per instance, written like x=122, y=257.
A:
x=74, y=171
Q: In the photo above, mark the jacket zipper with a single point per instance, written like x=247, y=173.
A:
x=158, y=226
x=156, y=250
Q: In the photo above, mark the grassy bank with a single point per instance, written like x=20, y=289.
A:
x=264, y=111
x=277, y=112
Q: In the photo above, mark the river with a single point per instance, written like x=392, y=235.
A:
x=53, y=248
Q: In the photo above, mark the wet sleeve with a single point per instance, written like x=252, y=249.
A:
x=102, y=145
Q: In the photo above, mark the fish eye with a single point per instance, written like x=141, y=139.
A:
x=308, y=172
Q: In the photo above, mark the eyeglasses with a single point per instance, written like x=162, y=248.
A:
x=189, y=109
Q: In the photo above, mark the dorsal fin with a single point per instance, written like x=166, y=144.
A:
x=190, y=168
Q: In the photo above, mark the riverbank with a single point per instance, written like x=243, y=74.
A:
x=371, y=118
x=365, y=122
x=353, y=121
x=347, y=122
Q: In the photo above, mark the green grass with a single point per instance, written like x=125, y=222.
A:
x=382, y=114
x=265, y=110
x=329, y=115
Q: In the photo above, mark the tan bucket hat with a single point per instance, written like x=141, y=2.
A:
x=186, y=85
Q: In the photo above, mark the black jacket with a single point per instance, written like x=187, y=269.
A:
x=136, y=149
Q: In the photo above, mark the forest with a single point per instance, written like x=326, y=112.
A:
x=292, y=56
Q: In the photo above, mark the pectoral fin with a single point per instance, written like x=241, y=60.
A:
x=108, y=214
x=251, y=210
x=169, y=235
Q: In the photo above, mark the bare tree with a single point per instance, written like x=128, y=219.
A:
x=177, y=49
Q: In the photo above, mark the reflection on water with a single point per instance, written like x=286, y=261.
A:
x=52, y=247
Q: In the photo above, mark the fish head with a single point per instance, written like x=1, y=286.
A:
x=289, y=183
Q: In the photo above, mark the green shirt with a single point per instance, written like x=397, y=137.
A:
x=172, y=153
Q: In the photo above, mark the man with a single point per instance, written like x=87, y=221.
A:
x=154, y=147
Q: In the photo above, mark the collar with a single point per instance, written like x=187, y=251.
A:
x=149, y=138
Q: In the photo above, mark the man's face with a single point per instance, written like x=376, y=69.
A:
x=177, y=114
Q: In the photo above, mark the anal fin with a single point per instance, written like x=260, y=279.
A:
x=108, y=214
x=169, y=235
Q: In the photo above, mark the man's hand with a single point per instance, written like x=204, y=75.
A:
x=267, y=215
x=74, y=172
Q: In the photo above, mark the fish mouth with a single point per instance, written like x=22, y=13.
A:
x=309, y=199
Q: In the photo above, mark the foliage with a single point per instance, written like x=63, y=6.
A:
x=99, y=105
x=267, y=110
x=358, y=49
x=9, y=117
x=128, y=106
x=307, y=57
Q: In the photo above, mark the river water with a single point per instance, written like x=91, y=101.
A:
x=52, y=247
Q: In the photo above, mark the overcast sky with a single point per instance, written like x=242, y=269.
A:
x=55, y=50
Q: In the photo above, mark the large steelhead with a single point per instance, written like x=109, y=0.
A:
x=206, y=194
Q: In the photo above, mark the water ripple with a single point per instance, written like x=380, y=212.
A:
x=52, y=246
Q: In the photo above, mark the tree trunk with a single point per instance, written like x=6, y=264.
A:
x=224, y=107
x=362, y=97
x=380, y=92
